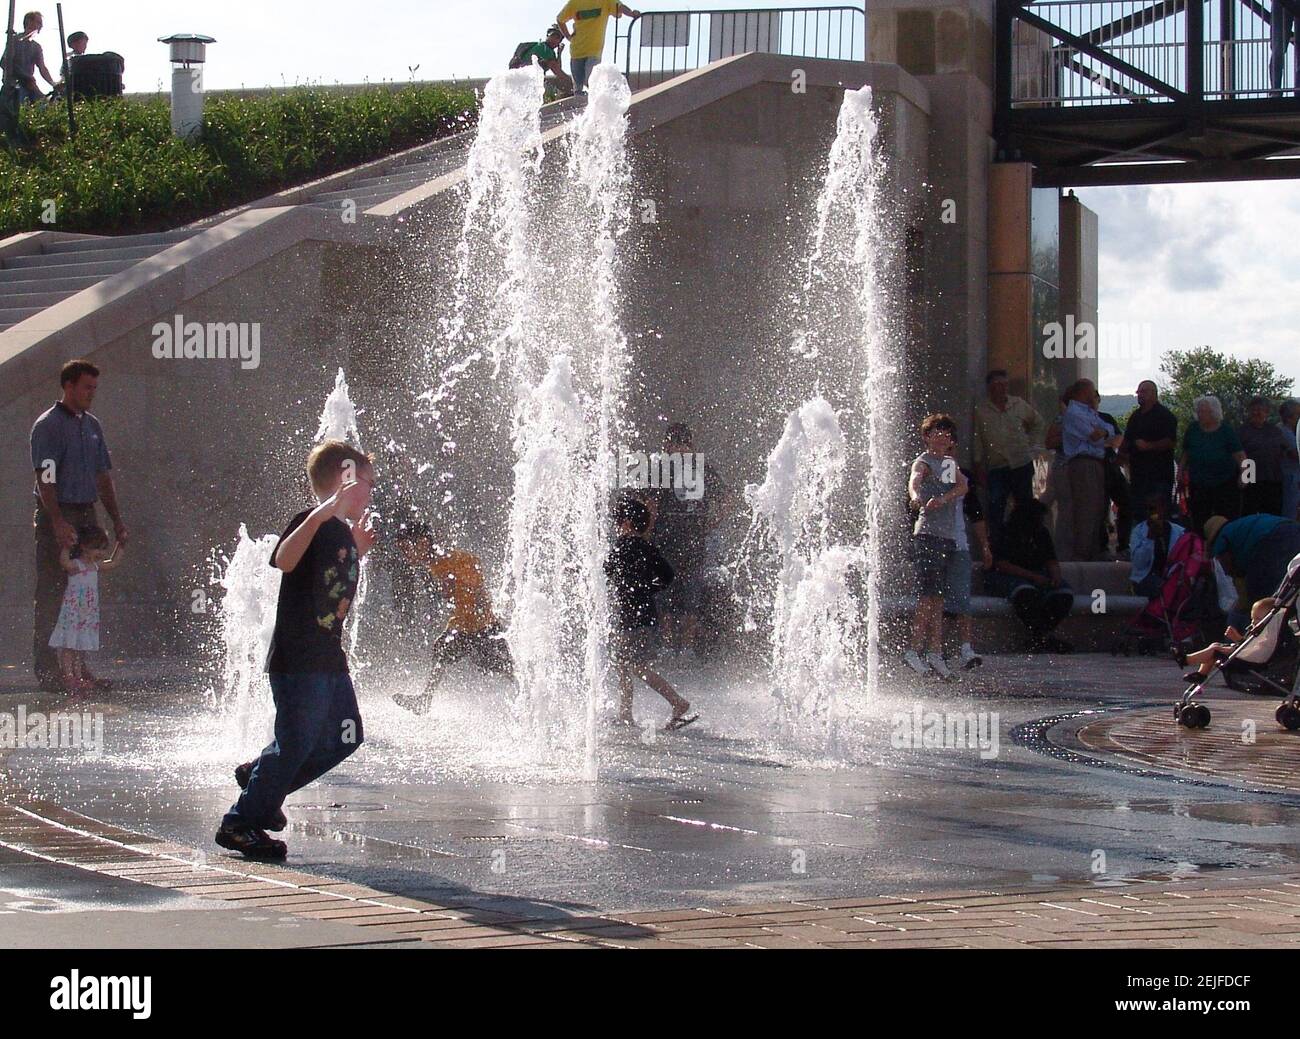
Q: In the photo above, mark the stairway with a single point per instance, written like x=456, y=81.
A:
x=29, y=284
x=399, y=178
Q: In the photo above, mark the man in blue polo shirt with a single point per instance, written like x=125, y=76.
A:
x=1085, y=435
x=1255, y=550
x=72, y=465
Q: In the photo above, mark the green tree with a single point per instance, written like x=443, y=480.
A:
x=1189, y=374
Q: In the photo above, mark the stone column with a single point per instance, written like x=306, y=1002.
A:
x=948, y=45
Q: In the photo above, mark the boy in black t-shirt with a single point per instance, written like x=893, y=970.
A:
x=317, y=723
x=636, y=570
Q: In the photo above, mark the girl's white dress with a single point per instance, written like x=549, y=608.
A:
x=78, y=626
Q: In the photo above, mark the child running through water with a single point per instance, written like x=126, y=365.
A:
x=636, y=570
x=472, y=630
x=317, y=722
x=77, y=631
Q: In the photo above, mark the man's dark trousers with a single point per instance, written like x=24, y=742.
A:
x=1004, y=486
x=51, y=581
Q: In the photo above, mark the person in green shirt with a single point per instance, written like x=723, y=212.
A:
x=546, y=53
x=1211, y=464
x=587, y=40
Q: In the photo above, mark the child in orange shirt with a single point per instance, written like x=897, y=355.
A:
x=472, y=630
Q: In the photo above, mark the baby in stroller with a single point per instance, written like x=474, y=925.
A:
x=1265, y=633
x=1247, y=659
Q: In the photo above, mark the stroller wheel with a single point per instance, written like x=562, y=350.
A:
x=1288, y=716
x=1194, y=716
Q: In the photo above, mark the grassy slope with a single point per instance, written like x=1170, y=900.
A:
x=125, y=172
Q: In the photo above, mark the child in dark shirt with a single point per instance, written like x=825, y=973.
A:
x=1026, y=572
x=636, y=570
x=317, y=723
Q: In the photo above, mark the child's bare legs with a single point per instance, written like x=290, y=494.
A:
x=72, y=664
x=662, y=686
x=625, y=696
x=1204, y=658
x=927, y=625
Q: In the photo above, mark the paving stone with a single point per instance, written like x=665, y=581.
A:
x=353, y=912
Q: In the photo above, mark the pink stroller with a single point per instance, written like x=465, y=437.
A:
x=1184, y=610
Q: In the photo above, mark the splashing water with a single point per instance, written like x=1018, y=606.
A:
x=549, y=521
x=852, y=248
x=246, y=621
x=338, y=421
x=598, y=170
x=563, y=386
x=815, y=612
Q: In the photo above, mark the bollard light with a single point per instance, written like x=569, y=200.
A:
x=188, y=53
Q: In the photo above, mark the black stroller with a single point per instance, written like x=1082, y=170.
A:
x=1252, y=666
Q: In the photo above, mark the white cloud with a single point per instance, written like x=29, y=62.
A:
x=1201, y=264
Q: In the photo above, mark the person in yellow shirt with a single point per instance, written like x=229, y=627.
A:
x=472, y=630
x=587, y=39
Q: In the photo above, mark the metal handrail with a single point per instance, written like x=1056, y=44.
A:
x=677, y=39
x=1119, y=52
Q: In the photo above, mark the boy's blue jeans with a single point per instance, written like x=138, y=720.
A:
x=317, y=725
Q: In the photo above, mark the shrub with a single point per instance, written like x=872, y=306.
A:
x=124, y=171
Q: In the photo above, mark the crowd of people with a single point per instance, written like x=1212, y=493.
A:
x=1239, y=490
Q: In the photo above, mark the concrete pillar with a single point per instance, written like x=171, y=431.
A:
x=1079, y=273
x=948, y=46
x=1011, y=337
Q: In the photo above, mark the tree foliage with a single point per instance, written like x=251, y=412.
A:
x=1188, y=374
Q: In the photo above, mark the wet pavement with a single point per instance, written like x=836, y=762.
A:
x=718, y=814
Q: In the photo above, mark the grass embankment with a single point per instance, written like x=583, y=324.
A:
x=125, y=172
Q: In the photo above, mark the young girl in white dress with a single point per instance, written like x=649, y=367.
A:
x=77, y=630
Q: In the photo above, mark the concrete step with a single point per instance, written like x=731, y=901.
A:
x=424, y=166
x=10, y=317
x=23, y=300
x=78, y=245
x=51, y=284
x=137, y=252
x=370, y=194
x=393, y=180
x=96, y=271
x=459, y=148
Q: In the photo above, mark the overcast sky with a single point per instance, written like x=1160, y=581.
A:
x=1208, y=264
x=1201, y=264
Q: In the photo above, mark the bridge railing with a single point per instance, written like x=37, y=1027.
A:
x=661, y=44
x=1117, y=52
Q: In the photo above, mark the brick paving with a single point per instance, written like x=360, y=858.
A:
x=1228, y=912
x=1243, y=743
